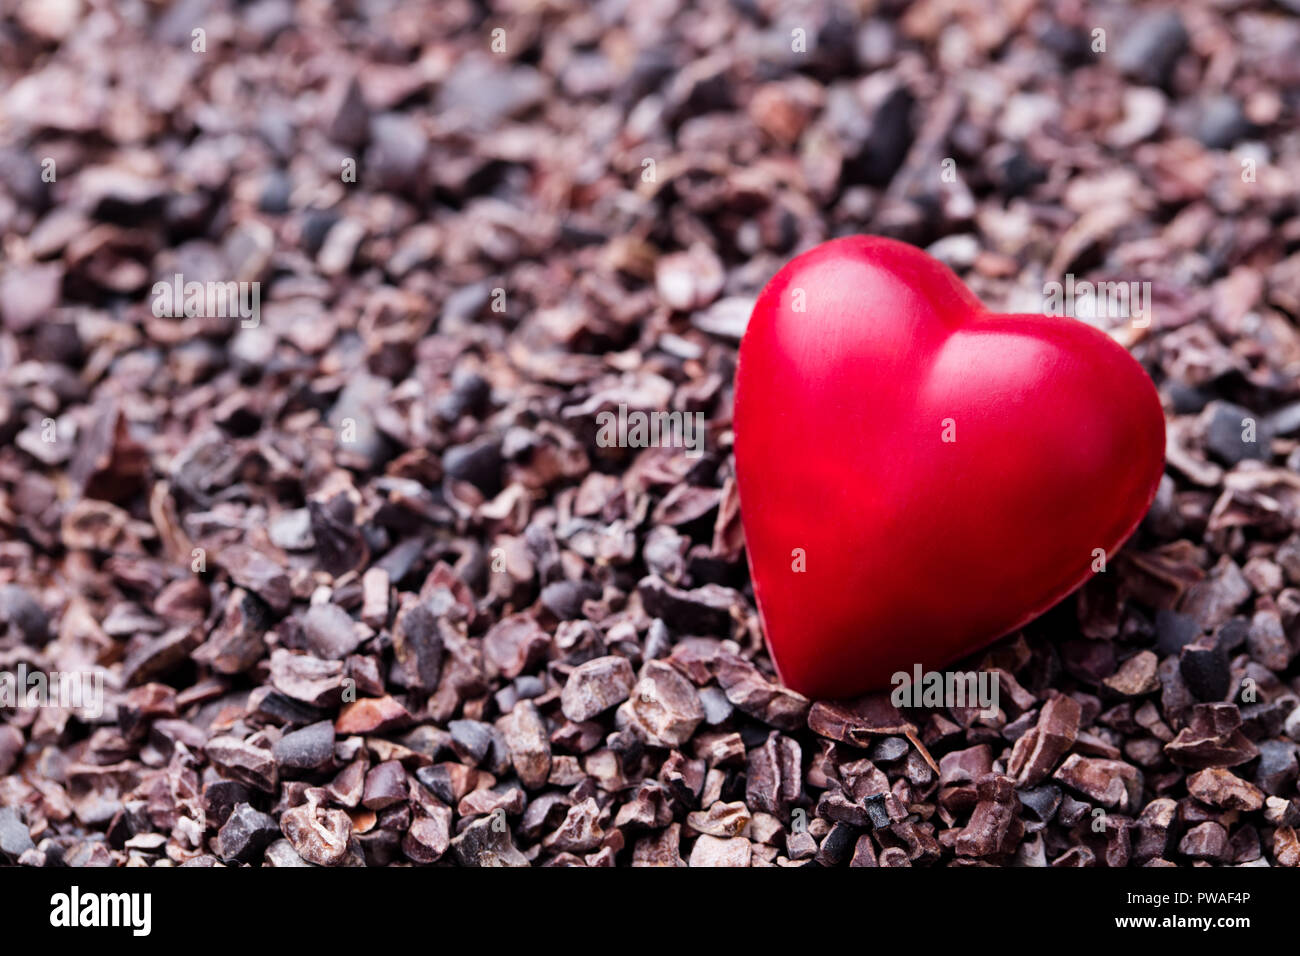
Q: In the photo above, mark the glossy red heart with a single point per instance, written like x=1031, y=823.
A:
x=944, y=473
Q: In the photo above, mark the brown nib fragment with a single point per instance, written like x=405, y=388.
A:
x=486, y=842
x=317, y=835
x=1212, y=738
x=372, y=715
x=595, y=687
x=1222, y=788
x=1136, y=676
x=664, y=708
x=995, y=829
x=1038, y=750
x=1111, y=783
x=749, y=691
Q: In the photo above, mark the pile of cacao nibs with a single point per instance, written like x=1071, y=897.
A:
x=355, y=578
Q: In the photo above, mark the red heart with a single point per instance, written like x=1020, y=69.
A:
x=916, y=549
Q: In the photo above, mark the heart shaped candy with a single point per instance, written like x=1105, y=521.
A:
x=919, y=476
